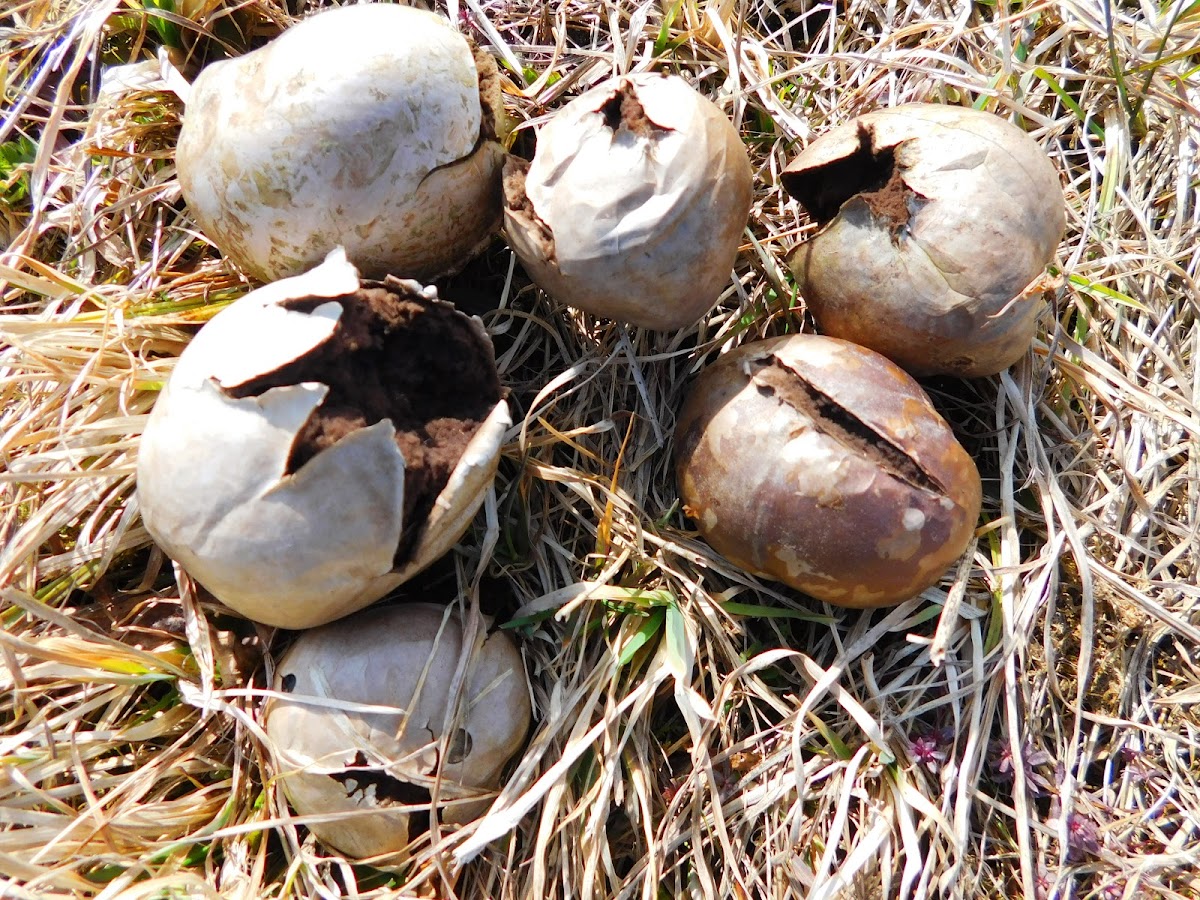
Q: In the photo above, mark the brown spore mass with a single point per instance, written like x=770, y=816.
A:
x=396, y=355
x=624, y=110
x=514, y=174
x=516, y=170
x=868, y=173
x=489, y=91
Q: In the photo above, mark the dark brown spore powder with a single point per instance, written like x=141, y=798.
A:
x=624, y=110
x=400, y=356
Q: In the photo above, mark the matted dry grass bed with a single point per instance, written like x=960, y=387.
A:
x=1027, y=728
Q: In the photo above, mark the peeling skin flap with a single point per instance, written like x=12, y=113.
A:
x=256, y=335
x=602, y=192
x=242, y=351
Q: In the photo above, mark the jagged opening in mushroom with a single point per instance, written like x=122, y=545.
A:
x=395, y=354
x=869, y=172
x=772, y=376
x=378, y=787
x=624, y=110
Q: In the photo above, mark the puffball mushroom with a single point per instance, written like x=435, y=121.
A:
x=319, y=442
x=386, y=764
x=937, y=224
x=370, y=127
x=818, y=463
x=634, y=203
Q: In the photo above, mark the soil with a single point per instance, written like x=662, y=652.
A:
x=624, y=110
x=395, y=355
x=771, y=376
x=868, y=173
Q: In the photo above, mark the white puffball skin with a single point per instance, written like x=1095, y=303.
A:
x=634, y=204
x=333, y=760
x=362, y=127
x=290, y=550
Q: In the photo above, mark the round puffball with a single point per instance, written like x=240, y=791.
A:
x=386, y=764
x=937, y=224
x=634, y=204
x=271, y=467
x=815, y=462
x=370, y=127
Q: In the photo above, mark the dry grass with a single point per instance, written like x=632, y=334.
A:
x=1028, y=728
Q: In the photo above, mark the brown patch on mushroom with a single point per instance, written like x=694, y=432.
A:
x=395, y=354
x=771, y=375
x=490, y=96
x=624, y=111
x=521, y=207
x=515, y=172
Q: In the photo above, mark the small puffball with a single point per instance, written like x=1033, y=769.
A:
x=938, y=223
x=820, y=464
x=420, y=737
x=634, y=204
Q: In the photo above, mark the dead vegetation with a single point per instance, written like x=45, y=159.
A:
x=1028, y=728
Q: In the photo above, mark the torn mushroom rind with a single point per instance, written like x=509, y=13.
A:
x=820, y=464
x=387, y=764
x=938, y=223
x=365, y=126
x=291, y=549
x=634, y=204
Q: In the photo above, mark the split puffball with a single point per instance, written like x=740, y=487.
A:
x=319, y=442
x=634, y=204
x=937, y=224
x=370, y=127
x=385, y=764
x=820, y=464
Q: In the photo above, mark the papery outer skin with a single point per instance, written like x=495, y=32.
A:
x=331, y=135
x=931, y=297
x=644, y=230
x=376, y=657
x=781, y=499
x=296, y=550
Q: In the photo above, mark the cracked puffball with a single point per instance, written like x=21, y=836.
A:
x=818, y=463
x=634, y=204
x=937, y=225
x=319, y=442
x=371, y=127
x=388, y=764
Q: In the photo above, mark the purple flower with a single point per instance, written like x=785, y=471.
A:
x=1083, y=837
x=1002, y=756
x=926, y=751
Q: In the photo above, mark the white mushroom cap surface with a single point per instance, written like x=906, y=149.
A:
x=288, y=549
x=634, y=203
x=361, y=126
x=332, y=758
